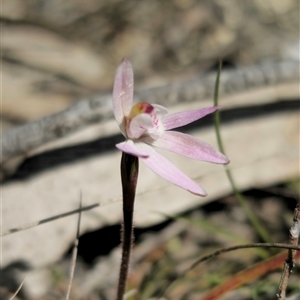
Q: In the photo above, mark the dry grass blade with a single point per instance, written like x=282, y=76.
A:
x=75, y=250
x=18, y=290
x=129, y=294
x=247, y=276
x=33, y=224
x=233, y=248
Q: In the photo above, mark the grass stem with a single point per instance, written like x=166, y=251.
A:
x=263, y=234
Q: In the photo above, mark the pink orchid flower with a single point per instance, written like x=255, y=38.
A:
x=145, y=125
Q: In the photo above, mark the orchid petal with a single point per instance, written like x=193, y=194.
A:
x=123, y=91
x=164, y=168
x=186, y=117
x=189, y=146
x=131, y=148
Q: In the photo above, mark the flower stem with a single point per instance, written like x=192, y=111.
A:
x=129, y=175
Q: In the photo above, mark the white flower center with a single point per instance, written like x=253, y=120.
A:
x=145, y=122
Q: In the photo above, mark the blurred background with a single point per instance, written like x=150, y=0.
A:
x=56, y=53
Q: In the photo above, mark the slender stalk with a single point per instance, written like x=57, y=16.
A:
x=129, y=175
x=18, y=290
x=74, y=251
x=263, y=234
x=33, y=224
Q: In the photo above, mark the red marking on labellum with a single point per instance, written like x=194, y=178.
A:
x=140, y=108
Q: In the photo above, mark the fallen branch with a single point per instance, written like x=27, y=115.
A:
x=21, y=140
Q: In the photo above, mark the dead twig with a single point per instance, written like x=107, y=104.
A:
x=20, y=141
x=290, y=261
